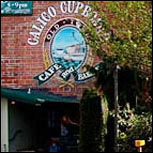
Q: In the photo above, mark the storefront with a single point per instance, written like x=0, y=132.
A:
x=36, y=117
x=43, y=74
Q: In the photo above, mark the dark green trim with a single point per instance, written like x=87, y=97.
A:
x=35, y=96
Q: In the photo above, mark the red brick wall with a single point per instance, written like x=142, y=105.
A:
x=20, y=62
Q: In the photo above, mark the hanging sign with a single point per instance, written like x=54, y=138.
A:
x=65, y=51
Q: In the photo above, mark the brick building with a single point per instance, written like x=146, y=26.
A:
x=43, y=55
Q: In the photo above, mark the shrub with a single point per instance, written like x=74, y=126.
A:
x=133, y=127
x=93, y=113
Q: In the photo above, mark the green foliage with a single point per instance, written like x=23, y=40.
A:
x=124, y=39
x=125, y=36
x=133, y=127
x=94, y=114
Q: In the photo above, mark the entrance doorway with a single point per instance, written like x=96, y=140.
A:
x=34, y=127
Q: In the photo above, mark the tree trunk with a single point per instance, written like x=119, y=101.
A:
x=116, y=109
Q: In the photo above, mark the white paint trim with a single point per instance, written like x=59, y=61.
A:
x=4, y=126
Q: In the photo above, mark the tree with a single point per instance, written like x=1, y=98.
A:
x=124, y=39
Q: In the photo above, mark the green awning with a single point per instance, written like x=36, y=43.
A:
x=35, y=96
